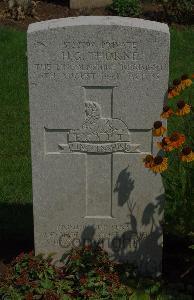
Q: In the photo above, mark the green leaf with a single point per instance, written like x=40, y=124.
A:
x=50, y=271
x=66, y=297
x=139, y=295
x=46, y=284
x=164, y=297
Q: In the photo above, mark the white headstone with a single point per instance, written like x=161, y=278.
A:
x=96, y=86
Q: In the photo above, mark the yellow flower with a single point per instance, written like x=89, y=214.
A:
x=172, y=93
x=160, y=164
x=176, y=140
x=158, y=129
x=183, y=108
x=185, y=81
x=165, y=144
x=177, y=85
x=187, y=155
x=148, y=161
x=167, y=112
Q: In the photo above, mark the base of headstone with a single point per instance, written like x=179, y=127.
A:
x=77, y=4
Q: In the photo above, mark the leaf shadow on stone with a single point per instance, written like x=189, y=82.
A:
x=133, y=246
x=87, y=236
x=140, y=247
x=124, y=186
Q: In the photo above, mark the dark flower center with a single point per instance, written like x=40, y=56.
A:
x=180, y=104
x=148, y=158
x=164, y=142
x=184, y=77
x=176, y=82
x=174, y=137
x=157, y=124
x=170, y=89
x=166, y=108
x=186, y=150
x=158, y=160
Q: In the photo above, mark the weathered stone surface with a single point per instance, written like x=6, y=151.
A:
x=96, y=86
x=77, y=4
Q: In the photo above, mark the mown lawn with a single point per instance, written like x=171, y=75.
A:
x=15, y=163
x=181, y=55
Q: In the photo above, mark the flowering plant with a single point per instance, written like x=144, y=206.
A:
x=175, y=158
x=85, y=272
x=181, y=144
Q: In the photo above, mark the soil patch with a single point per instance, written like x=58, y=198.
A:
x=55, y=9
x=47, y=10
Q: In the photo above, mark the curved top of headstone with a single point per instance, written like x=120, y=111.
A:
x=98, y=20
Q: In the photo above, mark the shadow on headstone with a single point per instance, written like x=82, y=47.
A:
x=124, y=186
x=142, y=249
x=87, y=236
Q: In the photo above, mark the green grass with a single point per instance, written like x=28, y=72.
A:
x=181, y=54
x=179, y=180
x=15, y=165
x=15, y=161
